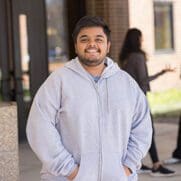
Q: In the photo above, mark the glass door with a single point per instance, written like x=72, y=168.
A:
x=57, y=33
x=30, y=57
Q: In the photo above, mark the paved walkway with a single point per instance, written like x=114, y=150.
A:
x=165, y=138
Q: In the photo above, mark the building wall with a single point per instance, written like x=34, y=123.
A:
x=123, y=14
x=115, y=12
x=141, y=16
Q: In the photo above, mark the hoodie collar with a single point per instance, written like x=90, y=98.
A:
x=109, y=70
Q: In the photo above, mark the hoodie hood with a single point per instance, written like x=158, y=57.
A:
x=111, y=68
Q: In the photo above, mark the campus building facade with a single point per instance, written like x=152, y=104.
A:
x=35, y=39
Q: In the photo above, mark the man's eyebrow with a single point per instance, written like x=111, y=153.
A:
x=83, y=36
x=101, y=36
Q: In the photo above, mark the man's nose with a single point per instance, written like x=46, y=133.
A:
x=92, y=43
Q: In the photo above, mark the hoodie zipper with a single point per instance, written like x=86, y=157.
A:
x=96, y=86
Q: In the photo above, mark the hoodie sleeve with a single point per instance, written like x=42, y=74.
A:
x=42, y=134
x=140, y=133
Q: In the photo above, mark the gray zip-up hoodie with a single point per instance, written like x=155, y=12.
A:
x=98, y=126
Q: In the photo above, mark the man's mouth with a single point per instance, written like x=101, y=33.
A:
x=92, y=50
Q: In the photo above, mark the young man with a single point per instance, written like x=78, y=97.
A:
x=89, y=121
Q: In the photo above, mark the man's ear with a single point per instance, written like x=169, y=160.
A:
x=75, y=47
x=108, y=46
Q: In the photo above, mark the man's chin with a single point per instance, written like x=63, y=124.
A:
x=91, y=62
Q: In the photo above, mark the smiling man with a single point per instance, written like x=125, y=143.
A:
x=92, y=46
x=89, y=121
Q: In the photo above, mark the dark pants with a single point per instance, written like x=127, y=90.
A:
x=177, y=152
x=153, y=150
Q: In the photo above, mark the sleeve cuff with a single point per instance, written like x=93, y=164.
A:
x=72, y=169
x=128, y=163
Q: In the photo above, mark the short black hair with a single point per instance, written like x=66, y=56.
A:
x=91, y=21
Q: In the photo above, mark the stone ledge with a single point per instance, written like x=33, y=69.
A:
x=9, y=162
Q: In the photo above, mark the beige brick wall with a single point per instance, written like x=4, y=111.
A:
x=115, y=13
x=141, y=16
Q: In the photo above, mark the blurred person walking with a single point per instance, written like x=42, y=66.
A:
x=133, y=59
x=176, y=155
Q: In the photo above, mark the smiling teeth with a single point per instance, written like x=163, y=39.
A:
x=91, y=51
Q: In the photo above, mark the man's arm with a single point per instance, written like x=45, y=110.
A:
x=141, y=131
x=42, y=134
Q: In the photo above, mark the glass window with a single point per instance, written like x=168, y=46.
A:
x=57, y=33
x=25, y=59
x=163, y=26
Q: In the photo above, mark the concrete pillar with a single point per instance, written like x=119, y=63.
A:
x=9, y=164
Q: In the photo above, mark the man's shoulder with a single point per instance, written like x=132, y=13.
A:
x=123, y=74
x=127, y=78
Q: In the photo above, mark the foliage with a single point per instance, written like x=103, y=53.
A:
x=166, y=103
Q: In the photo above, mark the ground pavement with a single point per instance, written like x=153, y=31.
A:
x=165, y=138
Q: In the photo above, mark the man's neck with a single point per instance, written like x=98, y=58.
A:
x=95, y=71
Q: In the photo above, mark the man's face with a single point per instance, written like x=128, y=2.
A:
x=92, y=46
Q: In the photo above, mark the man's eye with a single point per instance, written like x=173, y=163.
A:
x=83, y=40
x=99, y=40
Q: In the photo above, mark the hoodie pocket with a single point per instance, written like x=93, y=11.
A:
x=133, y=177
x=88, y=167
x=112, y=168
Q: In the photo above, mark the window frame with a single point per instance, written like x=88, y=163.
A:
x=171, y=12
